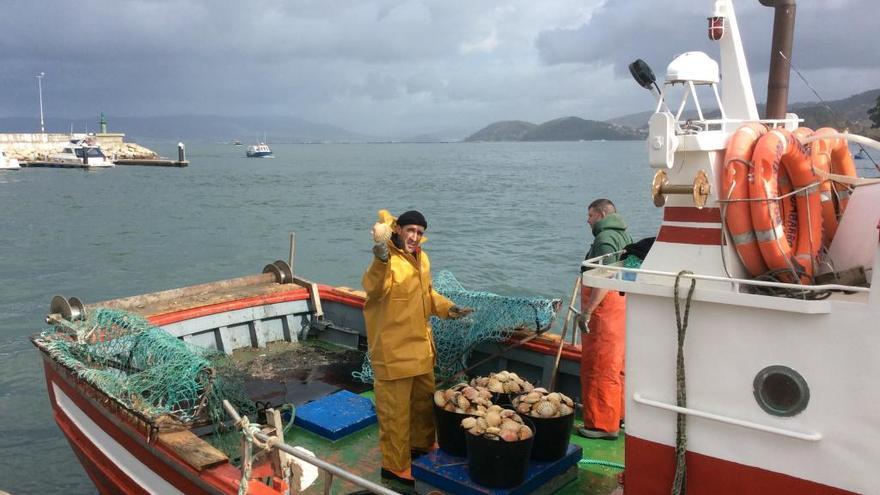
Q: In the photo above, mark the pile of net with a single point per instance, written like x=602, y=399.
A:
x=494, y=319
x=147, y=369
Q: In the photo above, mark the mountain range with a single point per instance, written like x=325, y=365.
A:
x=848, y=113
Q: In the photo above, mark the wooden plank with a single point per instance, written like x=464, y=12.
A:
x=193, y=450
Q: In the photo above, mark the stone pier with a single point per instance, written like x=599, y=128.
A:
x=30, y=147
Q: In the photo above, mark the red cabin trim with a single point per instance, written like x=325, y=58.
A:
x=689, y=235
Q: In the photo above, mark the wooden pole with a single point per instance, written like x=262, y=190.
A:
x=568, y=312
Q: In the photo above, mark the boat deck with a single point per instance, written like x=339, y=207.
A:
x=297, y=373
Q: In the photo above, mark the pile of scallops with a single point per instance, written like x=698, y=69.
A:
x=542, y=404
x=464, y=399
x=503, y=382
x=498, y=424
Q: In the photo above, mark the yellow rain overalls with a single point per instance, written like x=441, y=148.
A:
x=400, y=299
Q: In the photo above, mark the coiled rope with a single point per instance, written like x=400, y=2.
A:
x=678, y=484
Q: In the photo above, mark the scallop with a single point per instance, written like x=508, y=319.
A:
x=439, y=398
x=564, y=410
x=544, y=409
x=494, y=430
x=495, y=386
x=524, y=432
x=523, y=408
x=470, y=393
x=512, y=387
x=462, y=402
x=493, y=418
x=468, y=423
x=510, y=435
x=509, y=424
x=531, y=397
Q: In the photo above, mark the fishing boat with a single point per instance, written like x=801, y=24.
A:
x=260, y=150
x=275, y=313
x=7, y=163
x=736, y=382
x=80, y=153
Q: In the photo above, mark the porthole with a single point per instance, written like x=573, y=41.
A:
x=781, y=391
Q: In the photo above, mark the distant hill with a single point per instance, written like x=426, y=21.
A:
x=205, y=128
x=850, y=112
x=563, y=129
x=506, y=130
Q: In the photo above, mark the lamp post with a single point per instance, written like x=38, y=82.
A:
x=40, y=86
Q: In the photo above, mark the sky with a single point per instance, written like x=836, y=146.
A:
x=396, y=67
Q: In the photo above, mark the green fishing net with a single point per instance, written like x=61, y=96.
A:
x=147, y=369
x=494, y=319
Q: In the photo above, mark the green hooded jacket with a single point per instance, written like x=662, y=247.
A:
x=610, y=236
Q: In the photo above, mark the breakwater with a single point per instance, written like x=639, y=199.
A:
x=35, y=147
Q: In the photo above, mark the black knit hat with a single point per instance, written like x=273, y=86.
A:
x=412, y=217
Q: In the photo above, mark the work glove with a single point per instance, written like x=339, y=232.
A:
x=582, y=321
x=456, y=312
x=381, y=233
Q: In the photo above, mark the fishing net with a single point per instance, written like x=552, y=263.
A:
x=147, y=369
x=494, y=319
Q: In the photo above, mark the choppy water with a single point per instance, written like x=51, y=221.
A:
x=508, y=218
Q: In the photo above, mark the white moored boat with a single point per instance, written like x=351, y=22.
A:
x=7, y=163
x=81, y=153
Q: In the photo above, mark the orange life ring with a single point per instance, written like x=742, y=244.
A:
x=792, y=259
x=788, y=203
x=832, y=155
x=735, y=186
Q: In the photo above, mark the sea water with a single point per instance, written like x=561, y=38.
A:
x=510, y=218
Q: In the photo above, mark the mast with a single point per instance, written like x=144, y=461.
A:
x=780, y=55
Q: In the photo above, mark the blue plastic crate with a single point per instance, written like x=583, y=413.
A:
x=450, y=473
x=336, y=415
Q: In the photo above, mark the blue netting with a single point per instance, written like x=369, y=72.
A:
x=494, y=319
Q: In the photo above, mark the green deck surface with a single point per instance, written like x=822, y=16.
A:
x=359, y=453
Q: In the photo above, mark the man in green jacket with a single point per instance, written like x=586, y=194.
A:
x=603, y=323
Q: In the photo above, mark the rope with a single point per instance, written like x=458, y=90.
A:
x=248, y=440
x=679, y=483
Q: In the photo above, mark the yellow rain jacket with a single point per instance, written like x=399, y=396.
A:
x=400, y=299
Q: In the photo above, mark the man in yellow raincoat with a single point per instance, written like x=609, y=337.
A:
x=400, y=300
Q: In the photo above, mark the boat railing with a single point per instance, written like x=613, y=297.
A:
x=617, y=271
x=692, y=126
x=329, y=469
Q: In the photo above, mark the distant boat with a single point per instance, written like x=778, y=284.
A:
x=861, y=155
x=81, y=152
x=261, y=150
x=236, y=143
x=7, y=163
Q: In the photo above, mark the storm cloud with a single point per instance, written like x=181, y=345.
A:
x=393, y=67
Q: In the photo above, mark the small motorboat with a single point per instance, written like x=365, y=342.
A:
x=261, y=150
